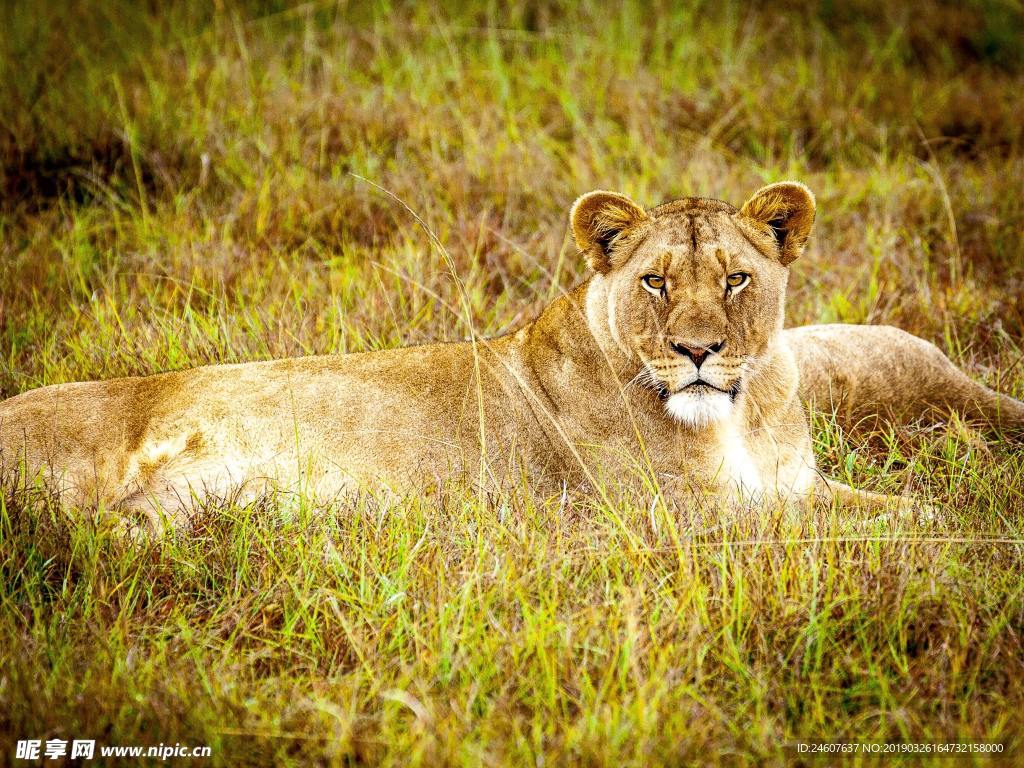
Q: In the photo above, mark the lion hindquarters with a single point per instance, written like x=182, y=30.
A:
x=866, y=370
x=67, y=438
x=156, y=478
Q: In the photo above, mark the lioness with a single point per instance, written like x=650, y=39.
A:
x=670, y=360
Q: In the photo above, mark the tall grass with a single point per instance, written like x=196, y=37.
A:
x=203, y=183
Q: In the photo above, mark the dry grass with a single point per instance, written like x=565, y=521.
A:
x=186, y=187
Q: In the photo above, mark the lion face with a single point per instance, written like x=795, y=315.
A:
x=693, y=292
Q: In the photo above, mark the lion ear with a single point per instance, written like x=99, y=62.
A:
x=598, y=220
x=786, y=211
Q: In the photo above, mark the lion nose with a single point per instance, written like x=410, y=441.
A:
x=698, y=354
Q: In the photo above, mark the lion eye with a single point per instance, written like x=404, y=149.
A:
x=737, y=280
x=654, y=283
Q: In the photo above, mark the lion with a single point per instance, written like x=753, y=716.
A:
x=669, y=362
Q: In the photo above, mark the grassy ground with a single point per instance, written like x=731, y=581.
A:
x=188, y=187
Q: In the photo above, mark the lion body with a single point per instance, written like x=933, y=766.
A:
x=608, y=384
x=865, y=371
x=334, y=424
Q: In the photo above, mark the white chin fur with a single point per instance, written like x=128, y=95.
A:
x=699, y=409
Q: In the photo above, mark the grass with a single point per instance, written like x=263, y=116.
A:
x=199, y=185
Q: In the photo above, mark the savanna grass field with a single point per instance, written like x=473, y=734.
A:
x=194, y=183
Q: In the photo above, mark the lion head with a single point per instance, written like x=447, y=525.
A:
x=692, y=292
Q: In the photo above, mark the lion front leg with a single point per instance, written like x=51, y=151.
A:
x=887, y=507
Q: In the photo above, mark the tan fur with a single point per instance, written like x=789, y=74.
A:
x=595, y=389
x=862, y=372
